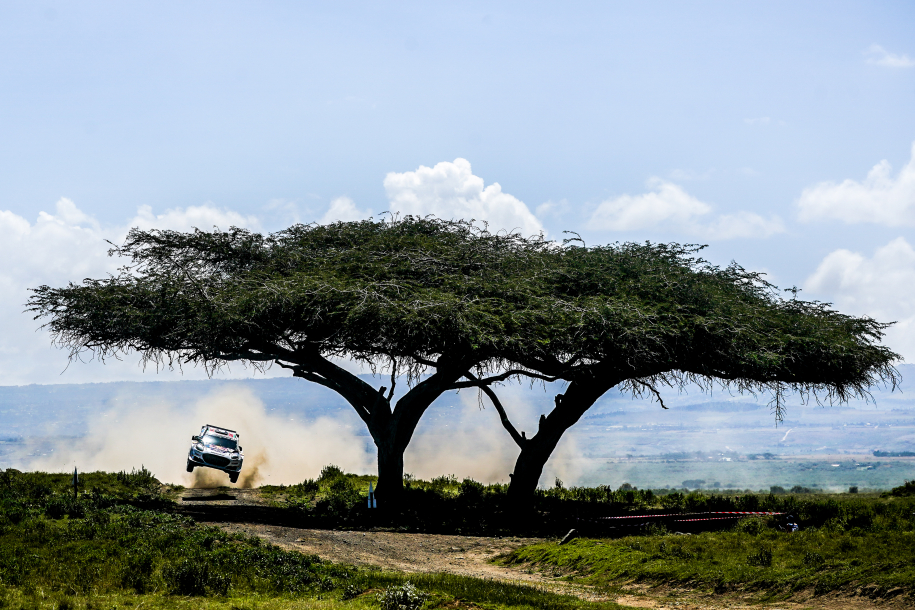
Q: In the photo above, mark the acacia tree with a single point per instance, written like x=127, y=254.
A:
x=643, y=316
x=431, y=300
x=449, y=305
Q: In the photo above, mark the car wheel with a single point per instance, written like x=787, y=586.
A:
x=190, y=467
x=233, y=478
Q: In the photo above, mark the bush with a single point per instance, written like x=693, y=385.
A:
x=907, y=489
x=402, y=597
x=137, y=479
x=330, y=473
x=813, y=559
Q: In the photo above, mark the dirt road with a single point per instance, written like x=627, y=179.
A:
x=243, y=510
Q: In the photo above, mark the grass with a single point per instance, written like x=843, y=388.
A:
x=121, y=543
x=751, y=557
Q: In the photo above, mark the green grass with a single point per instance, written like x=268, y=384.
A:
x=752, y=557
x=119, y=544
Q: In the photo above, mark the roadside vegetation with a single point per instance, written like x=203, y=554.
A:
x=851, y=542
x=856, y=544
x=120, y=542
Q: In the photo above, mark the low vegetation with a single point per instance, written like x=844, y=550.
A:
x=120, y=541
x=854, y=544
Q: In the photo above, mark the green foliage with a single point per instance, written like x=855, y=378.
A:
x=330, y=473
x=123, y=556
x=905, y=490
x=762, y=558
x=402, y=597
x=858, y=540
x=444, y=506
x=408, y=290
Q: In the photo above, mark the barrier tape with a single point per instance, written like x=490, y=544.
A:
x=721, y=512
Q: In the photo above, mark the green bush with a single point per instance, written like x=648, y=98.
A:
x=402, y=597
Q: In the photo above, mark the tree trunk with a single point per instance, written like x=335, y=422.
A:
x=390, y=474
x=579, y=397
x=528, y=470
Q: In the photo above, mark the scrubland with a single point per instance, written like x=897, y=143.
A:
x=122, y=541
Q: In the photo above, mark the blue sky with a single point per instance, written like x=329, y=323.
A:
x=755, y=127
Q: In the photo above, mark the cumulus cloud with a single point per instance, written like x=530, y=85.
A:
x=63, y=246
x=882, y=286
x=879, y=198
x=450, y=190
x=343, y=209
x=879, y=56
x=669, y=207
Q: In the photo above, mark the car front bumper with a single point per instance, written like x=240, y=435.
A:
x=215, y=461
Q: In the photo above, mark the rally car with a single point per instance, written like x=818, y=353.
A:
x=217, y=448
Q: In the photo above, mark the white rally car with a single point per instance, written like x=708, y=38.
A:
x=217, y=448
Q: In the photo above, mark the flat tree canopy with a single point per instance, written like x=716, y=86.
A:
x=648, y=315
x=427, y=298
x=450, y=305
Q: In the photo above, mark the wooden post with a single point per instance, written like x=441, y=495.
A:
x=75, y=482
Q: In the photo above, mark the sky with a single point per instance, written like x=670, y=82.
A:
x=781, y=134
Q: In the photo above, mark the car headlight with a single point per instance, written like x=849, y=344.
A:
x=199, y=447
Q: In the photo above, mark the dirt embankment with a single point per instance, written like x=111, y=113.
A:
x=244, y=511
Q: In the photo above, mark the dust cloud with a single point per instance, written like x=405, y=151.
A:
x=472, y=443
x=157, y=435
x=462, y=439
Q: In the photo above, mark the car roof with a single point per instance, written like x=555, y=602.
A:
x=222, y=431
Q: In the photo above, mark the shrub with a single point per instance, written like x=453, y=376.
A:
x=907, y=489
x=330, y=473
x=137, y=479
x=402, y=597
x=813, y=559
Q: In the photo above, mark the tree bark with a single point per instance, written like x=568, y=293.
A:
x=391, y=429
x=389, y=489
x=578, y=398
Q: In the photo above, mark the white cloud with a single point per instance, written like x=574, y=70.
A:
x=450, y=190
x=669, y=207
x=879, y=56
x=882, y=287
x=880, y=198
x=345, y=210
x=668, y=204
x=743, y=225
x=60, y=247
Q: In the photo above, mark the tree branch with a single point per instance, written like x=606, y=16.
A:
x=653, y=390
x=479, y=383
x=519, y=439
x=368, y=402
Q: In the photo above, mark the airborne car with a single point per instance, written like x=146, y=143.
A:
x=217, y=448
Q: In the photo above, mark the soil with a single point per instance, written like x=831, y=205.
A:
x=244, y=511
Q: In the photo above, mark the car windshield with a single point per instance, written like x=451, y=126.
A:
x=209, y=439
